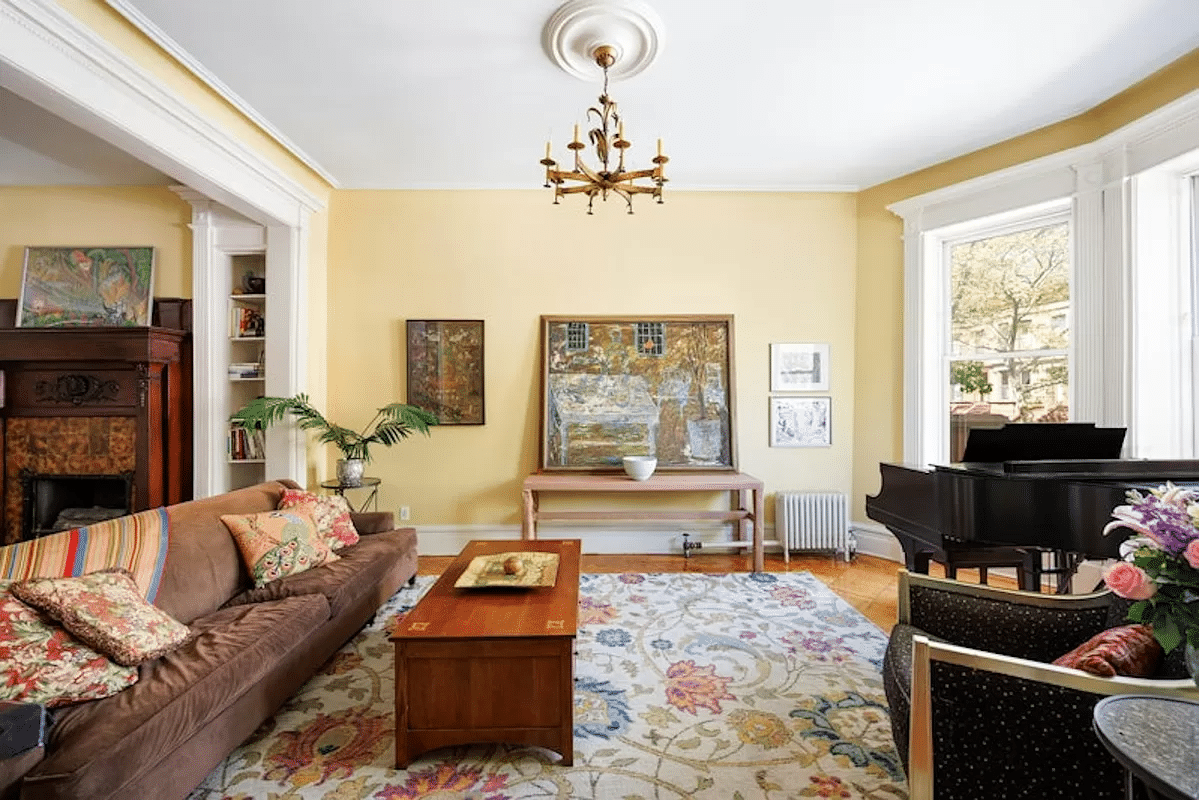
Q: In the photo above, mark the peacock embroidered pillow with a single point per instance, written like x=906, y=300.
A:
x=275, y=544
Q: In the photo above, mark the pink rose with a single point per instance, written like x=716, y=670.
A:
x=1130, y=581
x=1191, y=554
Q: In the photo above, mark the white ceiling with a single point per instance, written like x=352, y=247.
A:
x=756, y=94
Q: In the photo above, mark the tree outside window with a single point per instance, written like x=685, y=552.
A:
x=1009, y=328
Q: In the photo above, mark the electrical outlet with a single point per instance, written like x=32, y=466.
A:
x=405, y=512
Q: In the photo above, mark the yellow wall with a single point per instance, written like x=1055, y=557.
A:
x=782, y=264
x=878, y=383
x=121, y=215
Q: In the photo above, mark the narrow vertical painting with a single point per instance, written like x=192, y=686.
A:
x=618, y=386
x=86, y=286
x=445, y=369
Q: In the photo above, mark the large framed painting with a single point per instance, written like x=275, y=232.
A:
x=615, y=386
x=445, y=368
x=86, y=286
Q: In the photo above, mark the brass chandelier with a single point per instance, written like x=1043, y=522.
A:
x=607, y=136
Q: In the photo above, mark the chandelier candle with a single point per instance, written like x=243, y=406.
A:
x=592, y=182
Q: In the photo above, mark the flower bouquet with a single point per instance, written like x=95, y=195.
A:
x=1160, y=570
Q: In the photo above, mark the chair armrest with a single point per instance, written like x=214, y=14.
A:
x=372, y=521
x=989, y=725
x=1028, y=625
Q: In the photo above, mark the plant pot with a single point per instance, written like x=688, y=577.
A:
x=349, y=471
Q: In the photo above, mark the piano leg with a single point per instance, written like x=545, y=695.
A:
x=1063, y=564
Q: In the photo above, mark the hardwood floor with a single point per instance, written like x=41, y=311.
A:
x=867, y=582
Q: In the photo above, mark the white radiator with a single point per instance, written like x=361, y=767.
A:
x=812, y=520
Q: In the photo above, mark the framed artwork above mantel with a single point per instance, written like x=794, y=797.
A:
x=613, y=386
x=64, y=287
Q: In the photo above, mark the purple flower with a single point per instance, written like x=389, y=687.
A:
x=1164, y=516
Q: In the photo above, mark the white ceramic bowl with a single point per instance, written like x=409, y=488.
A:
x=640, y=467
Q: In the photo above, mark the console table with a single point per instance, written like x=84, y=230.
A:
x=745, y=494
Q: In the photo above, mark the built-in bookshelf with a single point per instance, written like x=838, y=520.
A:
x=246, y=449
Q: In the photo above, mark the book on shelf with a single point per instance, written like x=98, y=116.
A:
x=247, y=369
x=246, y=445
x=247, y=322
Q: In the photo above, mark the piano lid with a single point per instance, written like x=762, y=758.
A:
x=1043, y=441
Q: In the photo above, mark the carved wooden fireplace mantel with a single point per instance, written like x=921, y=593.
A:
x=102, y=401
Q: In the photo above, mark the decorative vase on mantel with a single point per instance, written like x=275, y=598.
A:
x=349, y=471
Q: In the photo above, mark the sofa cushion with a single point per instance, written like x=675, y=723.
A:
x=1128, y=650
x=42, y=663
x=278, y=543
x=99, y=747
x=359, y=569
x=203, y=565
x=331, y=514
x=105, y=611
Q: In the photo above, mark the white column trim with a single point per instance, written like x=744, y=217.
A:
x=286, y=341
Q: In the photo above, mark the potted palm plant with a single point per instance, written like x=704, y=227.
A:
x=390, y=424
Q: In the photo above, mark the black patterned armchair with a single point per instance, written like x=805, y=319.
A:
x=978, y=711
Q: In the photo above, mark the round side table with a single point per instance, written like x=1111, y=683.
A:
x=370, y=484
x=1156, y=739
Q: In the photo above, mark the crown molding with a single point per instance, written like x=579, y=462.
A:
x=189, y=62
x=52, y=58
x=1159, y=136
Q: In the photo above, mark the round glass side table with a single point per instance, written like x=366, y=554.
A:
x=371, y=485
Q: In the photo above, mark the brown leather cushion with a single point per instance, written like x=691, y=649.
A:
x=203, y=566
x=1128, y=650
x=361, y=567
x=97, y=747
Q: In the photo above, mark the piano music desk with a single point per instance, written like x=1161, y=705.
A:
x=745, y=494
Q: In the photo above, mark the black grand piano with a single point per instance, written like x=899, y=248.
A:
x=1020, y=490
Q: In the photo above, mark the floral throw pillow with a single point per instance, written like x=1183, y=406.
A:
x=331, y=513
x=275, y=544
x=106, y=611
x=41, y=663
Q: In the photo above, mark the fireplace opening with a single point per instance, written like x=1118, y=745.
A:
x=55, y=503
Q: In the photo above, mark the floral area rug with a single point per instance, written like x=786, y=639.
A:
x=728, y=687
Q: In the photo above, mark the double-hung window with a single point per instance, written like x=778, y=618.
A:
x=1006, y=349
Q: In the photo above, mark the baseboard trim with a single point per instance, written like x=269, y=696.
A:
x=646, y=539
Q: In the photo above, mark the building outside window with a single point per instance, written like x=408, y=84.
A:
x=1009, y=335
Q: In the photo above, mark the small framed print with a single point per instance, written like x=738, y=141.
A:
x=801, y=422
x=799, y=367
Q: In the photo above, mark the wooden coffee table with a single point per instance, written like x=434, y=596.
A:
x=489, y=665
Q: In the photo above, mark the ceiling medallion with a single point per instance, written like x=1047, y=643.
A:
x=622, y=38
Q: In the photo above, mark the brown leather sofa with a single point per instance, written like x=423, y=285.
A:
x=251, y=650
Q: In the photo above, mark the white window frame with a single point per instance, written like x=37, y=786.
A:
x=935, y=331
x=1095, y=182
x=1165, y=341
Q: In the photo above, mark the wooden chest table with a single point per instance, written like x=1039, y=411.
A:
x=489, y=665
